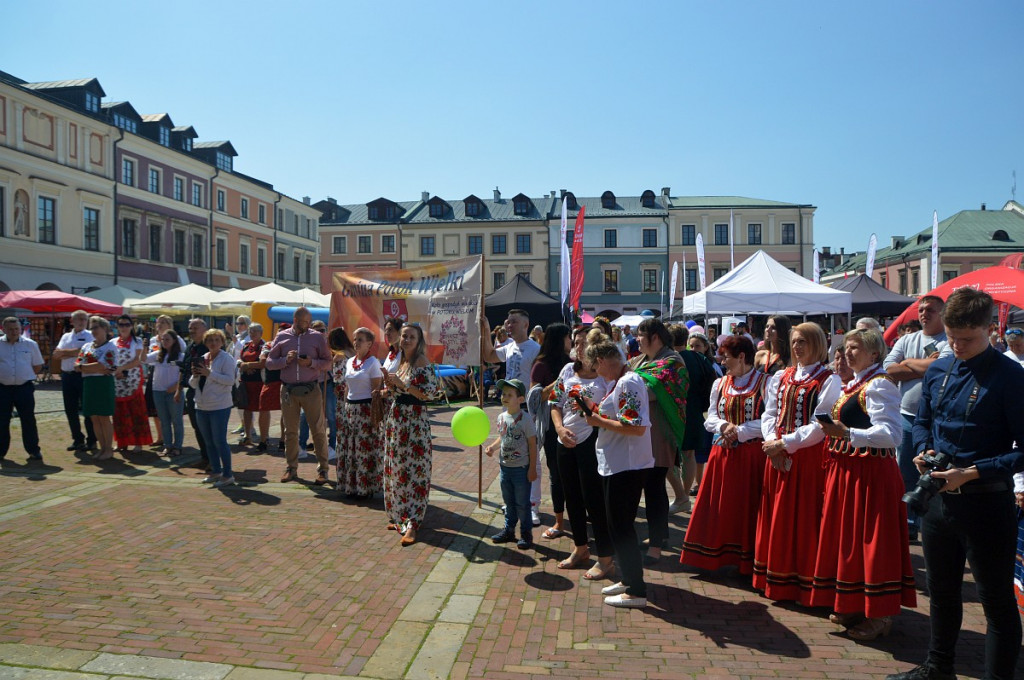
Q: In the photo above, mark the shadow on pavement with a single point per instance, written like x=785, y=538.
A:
x=244, y=495
x=543, y=580
x=33, y=470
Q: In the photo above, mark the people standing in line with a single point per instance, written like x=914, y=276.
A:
x=163, y=323
x=213, y=376
x=775, y=355
x=906, y=363
x=71, y=381
x=194, y=351
x=359, y=443
x=20, y=361
x=723, y=527
x=701, y=374
x=863, y=570
x=131, y=418
x=302, y=355
x=1015, y=344
x=789, y=520
x=408, y=452
x=97, y=361
x=251, y=379
x=624, y=460
x=516, y=445
x=553, y=356
x=270, y=393
x=166, y=390
x=577, y=458
x=970, y=410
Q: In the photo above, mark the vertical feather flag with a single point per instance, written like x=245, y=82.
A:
x=732, y=253
x=564, y=273
x=816, y=268
x=672, y=287
x=935, y=249
x=700, y=260
x=576, y=280
x=869, y=267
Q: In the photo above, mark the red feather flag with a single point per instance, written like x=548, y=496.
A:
x=576, y=268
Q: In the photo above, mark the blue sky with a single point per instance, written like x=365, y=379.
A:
x=876, y=112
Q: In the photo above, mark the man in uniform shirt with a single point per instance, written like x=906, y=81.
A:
x=71, y=380
x=20, y=361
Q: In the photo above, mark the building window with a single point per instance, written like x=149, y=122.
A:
x=426, y=245
x=47, y=220
x=475, y=245
x=788, y=233
x=197, y=250
x=179, y=247
x=295, y=268
x=295, y=224
x=650, y=280
x=915, y=281
x=498, y=279
x=128, y=233
x=608, y=200
x=611, y=238
x=689, y=234
x=179, y=189
x=165, y=136
x=279, y=273
x=224, y=161
x=499, y=244
x=155, y=237
x=91, y=228
x=472, y=209
x=243, y=258
x=691, y=279
x=197, y=195
x=373, y=212
x=719, y=272
x=754, y=234
x=570, y=236
x=721, y=234
x=948, y=275
x=186, y=143
x=245, y=208
x=389, y=212
x=279, y=221
x=523, y=246
x=436, y=209
x=611, y=281
x=365, y=245
x=92, y=102
x=128, y=172
x=387, y=243
x=650, y=238
x=220, y=200
x=262, y=212
x=520, y=207
x=154, y=181
x=125, y=123
x=221, y=252
x=309, y=270
x=261, y=262
x=339, y=245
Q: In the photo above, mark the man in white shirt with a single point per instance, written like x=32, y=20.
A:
x=1015, y=343
x=906, y=363
x=235, y=349
x=20, y=361
x=71, y=381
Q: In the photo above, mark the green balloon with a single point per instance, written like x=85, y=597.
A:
x=470, y=426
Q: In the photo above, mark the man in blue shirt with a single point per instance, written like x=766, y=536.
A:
x=970, y=408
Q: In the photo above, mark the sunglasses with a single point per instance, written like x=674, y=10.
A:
x=124, y=324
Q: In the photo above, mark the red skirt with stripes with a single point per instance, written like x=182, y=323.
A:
x=131, y=421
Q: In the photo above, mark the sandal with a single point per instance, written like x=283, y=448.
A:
x=870, y=629
x=846, y=620
x=552, y=532
x=571, y=562
x=599, y=573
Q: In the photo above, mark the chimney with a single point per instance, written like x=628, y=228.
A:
x=666, y=191
x=332, y=201
x=305, y=199
x=826, y=251
x=497, y=195
x=552, y=193
x=424, y=196
x=842, y=251
x=982, y=206
x=563, y=193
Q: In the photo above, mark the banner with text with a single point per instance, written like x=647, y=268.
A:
x=443, y=299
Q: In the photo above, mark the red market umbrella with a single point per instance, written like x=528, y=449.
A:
x=1002, y=283
x=55, y=302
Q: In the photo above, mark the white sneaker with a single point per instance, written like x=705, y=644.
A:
x=331, y=454
x=614, y=589
x=238, y=430
x=211, y=479
x=677, y=506
x=535, y=516
x=225, y=481
x=630, y=602
x=303, y=454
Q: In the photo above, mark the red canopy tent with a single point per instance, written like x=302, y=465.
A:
x=1004, y=284
x=55, y=302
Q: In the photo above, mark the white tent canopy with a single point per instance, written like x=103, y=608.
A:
x=272, y=292
x=760, y=285
x=631, y=320
x=118, y=295
x=188, y=298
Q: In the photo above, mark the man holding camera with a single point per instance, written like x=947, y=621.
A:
x=970, y=410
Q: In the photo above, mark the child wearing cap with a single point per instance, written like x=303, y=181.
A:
x=517, y=447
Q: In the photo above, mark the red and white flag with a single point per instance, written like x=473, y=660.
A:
x=576, y=277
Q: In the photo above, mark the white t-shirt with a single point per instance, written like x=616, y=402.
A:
x=391, y=363
x=628, y=404
x=76, y=341
x=166, y=373
x=569, y=384
x=358, y=379
x=518, y=358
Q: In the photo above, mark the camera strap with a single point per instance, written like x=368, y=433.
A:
x=971, y=401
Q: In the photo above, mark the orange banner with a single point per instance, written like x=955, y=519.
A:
x=443, y=299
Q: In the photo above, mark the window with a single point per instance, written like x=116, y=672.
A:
x=92, y=102
x=154, y=181
x=197, y=195
x=650, y=238
x=436, y=209
x=179, y=189
x=295, y=268
x=91, y=228
x=279, y=222
x=128, y=172
x=570, y=236
x=221, y=253
x=280, y=265
x=197, y=250
x=128, y=233
x=220, y=200
x=155, y=238
x=46, y=220
x=165, y=136
x=224, y=161
x=373, y=212
x=186, y=143
x=472, y=209
x=788, y=233
x=689, y=234
x=475, y=245
x=261, y=262
x=498, y=280
x=179, y=247
x=243, y=258
x=521, y=207
x=339, y=245
x=948, y=275
x=499, y=244
x=426, y=245
x=721, y=234
x=523, y=246
x=719, y=272
x=389, y=212
x=365, y=245
x=611, y=281
x=608, y=200
x=387, y=243
x=262, y=212
x=650, y=280
x=754, y=234
x=915, y=281
x=295, y=224
x=611, y=238
x=125, y=123
x=691, y=279
x=309, y=270
x=245, y=208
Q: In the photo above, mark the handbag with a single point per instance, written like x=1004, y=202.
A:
x=240, y=396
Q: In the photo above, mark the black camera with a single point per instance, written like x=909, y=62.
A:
x=918, y=498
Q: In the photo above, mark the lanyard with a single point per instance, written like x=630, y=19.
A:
x=971, y=401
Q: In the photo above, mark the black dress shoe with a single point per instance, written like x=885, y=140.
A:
x=75, y=447
x=922, y=672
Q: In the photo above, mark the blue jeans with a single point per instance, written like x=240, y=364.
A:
x=515, y=491
x=171, y=414
x=905, y=457
x=214, y=427
x=331, y=406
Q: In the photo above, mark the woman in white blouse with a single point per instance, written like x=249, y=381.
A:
x=166, y=388
x=212, y=378
x=360, y=443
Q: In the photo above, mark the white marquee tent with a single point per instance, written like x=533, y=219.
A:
x=760, y=285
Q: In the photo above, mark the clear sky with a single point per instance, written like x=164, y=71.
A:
x=875, y=112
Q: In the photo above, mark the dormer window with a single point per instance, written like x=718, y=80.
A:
x=373, y=212
x=474, y=208
x=389, y=212
x=125, y=123
x=608, y=200
x=224, y=161
x=436, y=210
x=92, y=102
x=1000, y=235
x=165, y=136
x=186, y=143
x=521, y=204
x=570, y=201
x=647, y=199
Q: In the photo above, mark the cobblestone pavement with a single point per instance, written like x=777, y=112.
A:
x=131, y=568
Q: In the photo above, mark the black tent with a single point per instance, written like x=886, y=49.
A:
x=519, y=293
x=872, y=298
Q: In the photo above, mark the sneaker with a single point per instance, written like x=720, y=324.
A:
x=535, y=516
x=524, y=543
x=211, y=479
x=304, y=454
x=35, y=456
x=331, y=454
x=238, y=430
x=624, y=602
x=225, y=481
x=614, y=589
x=677, y=506
x=503, y=537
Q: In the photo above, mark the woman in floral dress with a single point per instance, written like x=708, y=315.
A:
x=359, y=441
x=407, y=447
x=131, y=418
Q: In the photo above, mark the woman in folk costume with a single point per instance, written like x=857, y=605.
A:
x=794, y=480
x=863, y=569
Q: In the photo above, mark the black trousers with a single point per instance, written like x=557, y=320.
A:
x=71, y=390
x=584, y=494
x=622, y=499
x=656, y=502
x=21, y=397
x=981, y=529
x=190, y=408
x=551, y=455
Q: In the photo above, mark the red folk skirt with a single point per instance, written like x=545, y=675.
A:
x=788, y=525
x=131, y=420
x=863, y=563
x=723, y=525
x=270, y=397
